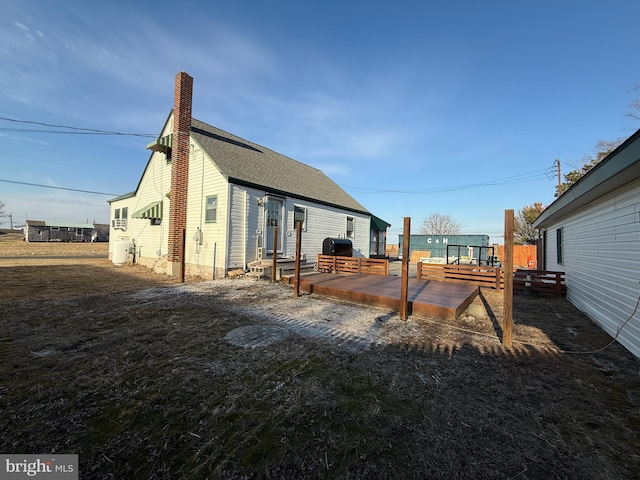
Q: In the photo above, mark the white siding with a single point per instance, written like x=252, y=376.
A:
x=247, y=229
x=152, y=240
x=205, y=180
x=245, y=225
x=325, y=222
x=155, y=184
x=601, y=258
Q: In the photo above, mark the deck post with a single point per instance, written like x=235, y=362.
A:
x=298, y=248
x=275, y=255
x=404, y=285
x=507, y=321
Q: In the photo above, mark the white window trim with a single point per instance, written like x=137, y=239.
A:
x=206, y=209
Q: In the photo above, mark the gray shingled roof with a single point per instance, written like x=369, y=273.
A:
x=246, y=163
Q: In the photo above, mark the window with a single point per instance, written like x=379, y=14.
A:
x=211, y=208
x=559, y=245
x=120, y=218
x=167, y=155
x=350, y=227
x=300, y=215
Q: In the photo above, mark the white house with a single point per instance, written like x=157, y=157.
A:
x=225, y=196
x=592, y=233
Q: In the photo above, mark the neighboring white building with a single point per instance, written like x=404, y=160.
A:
x=57, y=231
x=592, y=233
x=233, y=194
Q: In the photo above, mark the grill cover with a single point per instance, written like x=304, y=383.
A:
x=338, y=247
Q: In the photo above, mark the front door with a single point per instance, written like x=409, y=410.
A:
x=274, y=219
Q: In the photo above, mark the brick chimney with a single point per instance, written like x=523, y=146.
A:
x=179, y=171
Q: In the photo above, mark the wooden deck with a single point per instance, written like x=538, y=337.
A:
x=426, y=297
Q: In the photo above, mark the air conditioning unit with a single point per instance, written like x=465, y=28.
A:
x=119, y=223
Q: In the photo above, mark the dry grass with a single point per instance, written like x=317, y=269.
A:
x=141, y=384
x=11, y=244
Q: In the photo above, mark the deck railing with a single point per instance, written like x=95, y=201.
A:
x=544, y=283
x=483, y=276
x=336, y=264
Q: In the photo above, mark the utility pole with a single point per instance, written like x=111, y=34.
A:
x=11, y=220
x=559, y=176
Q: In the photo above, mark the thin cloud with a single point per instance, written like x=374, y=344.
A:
x=21, y=138
x=93, y=65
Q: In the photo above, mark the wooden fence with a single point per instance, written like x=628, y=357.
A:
x=544, y=283
x=336, y=264
x=483, y=276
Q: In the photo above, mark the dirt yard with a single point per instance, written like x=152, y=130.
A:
x=138, y=375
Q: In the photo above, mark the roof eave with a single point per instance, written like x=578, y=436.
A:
x=122, y=197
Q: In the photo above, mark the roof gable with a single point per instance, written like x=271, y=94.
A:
x=246, y=163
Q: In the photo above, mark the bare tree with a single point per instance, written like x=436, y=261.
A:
x=440, y=224
x=600, y=152
x=524, y=233
x=633, y=110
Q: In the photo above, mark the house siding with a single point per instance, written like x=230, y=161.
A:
x=151, y=240
x=204, y=181
x=601, y=258
x=247, y=229
x=326, y=222
x=245, y=222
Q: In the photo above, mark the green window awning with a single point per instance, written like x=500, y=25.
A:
x=378, y=224
x=162, y=144
x=153, y=210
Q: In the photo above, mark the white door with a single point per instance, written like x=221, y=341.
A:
x=273, y=220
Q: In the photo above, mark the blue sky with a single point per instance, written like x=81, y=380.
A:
x=413, y=107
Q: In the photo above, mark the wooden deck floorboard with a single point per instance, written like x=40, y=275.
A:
x=426, y=297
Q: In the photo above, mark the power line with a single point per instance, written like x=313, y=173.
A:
x=26, y=130
x=58, y=188
x=520, y=178
x=76, y=130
